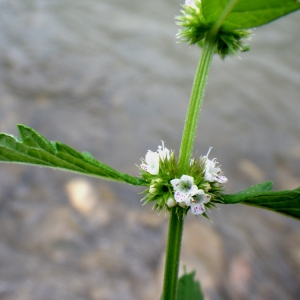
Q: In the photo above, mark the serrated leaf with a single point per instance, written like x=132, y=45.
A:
x=285, y=201
x=35, y=149
x=245, y=14
x=189, y=288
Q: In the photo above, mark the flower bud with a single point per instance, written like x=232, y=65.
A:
x=152, y=189
x=205, y=186
x=171, y=202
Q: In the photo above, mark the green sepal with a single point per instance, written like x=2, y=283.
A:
x=168, y=170
x=35, y=149
x=189, y=288
x=261, y=195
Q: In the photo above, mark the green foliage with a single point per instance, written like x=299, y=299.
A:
x=34, y=149
x=261, y=195
x=243, y=14
x=189, y=288
x=249, y=192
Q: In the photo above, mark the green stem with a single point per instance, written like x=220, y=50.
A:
x=186, y=149
x=172, y=256
x=191, y=121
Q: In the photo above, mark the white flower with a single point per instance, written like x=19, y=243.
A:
x=152, y=163
x=152, y=159
x=184, y=189
x=164, y=153
x=212, y=171
x=201, y=197
x=198, y=201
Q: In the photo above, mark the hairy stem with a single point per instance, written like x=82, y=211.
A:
x=186, y=149
x=197, y=94
x=172, y=256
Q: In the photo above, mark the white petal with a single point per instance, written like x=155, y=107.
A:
x=194, y=190
x=209, y=177
x=187, y=178
x=197, y=192
x=153, y=169
x=221, y=179
x=210, y=167
x=197, y=209
x=152, y=160
x=175, y=183
x=201, y=198
x=181, y=197
x=212, y=171
x=188, y=201
x=186, y=184
x=207, y=198
x=144, y=167
x=151, y=157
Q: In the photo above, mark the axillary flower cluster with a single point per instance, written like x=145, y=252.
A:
x=200, y=188
x=195, y=27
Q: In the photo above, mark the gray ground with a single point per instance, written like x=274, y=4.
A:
x=108, y=77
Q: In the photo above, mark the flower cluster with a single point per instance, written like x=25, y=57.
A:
x=195, y=26
x=198, y=190
x=186, y=193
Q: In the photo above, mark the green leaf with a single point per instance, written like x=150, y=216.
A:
x=34, y=149
x=249, y=192
x=285, y=201
x=243, y=14
x=189, y=288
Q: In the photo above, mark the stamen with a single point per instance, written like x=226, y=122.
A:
x=208, y=151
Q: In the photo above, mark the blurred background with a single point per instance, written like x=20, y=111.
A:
x=108, y=77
